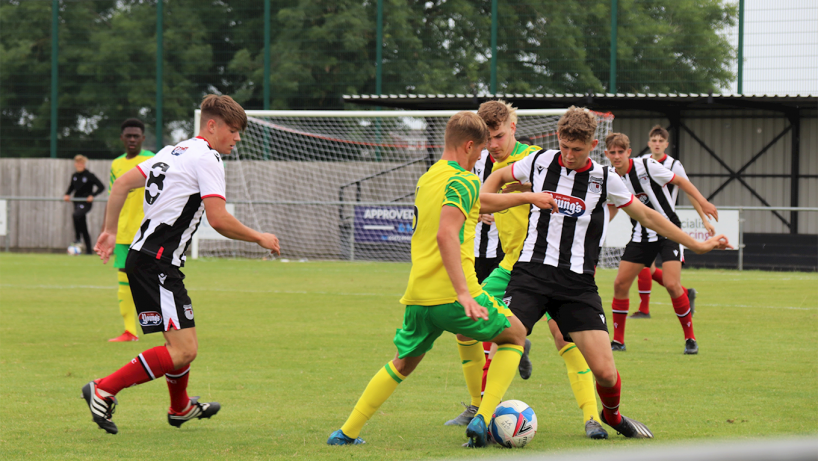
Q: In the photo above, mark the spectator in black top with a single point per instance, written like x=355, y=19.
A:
x=85, y=185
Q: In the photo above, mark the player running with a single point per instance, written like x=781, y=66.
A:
x=132, y=135
x=554, y=273
x=443, y=294
x=501, y=119
x=658, y=142
x=648, y=181
x=181, y=182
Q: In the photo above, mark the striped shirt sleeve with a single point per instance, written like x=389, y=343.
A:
x=462, y=192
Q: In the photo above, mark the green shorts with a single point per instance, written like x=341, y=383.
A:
x=120, y=255
x=422, y=325
x=497, y=282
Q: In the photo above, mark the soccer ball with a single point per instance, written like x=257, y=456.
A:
x=513, y=424
x=74, y=250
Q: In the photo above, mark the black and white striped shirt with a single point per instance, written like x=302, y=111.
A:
x=647, y=180
x=677, y=168
x=486, y=237
x=176, y=181
x=569, y=239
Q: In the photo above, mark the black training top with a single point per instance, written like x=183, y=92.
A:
x=84, y=184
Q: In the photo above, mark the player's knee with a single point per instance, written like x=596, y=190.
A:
x=674, y=288
x=606, y=376
x=188, y=355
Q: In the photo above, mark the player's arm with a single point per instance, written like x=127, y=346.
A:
x=448, y=240
x=653, y=220
x=96, y=187
x=694, y=195
x=707, y=225
x=491, y=201
x=227, y=225
x=107, y=239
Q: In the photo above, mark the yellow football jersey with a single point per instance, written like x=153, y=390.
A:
x=512, y=224
x=131, y=215
x=446, y=183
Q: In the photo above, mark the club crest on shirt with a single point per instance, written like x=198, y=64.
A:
x=595, y=185
x=643, y=197
x=644, y=178
x=567, y=205
x=179, y=150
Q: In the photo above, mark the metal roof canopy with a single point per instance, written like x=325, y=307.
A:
x=675, y=107
x=651, y=103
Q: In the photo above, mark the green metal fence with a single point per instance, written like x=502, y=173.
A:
x=72, y=70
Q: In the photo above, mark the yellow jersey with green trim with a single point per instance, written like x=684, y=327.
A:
x=512, y=224
x=445, y=184
x=131, y=215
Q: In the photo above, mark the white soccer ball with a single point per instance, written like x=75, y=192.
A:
x=513, y=424
x=74, y=250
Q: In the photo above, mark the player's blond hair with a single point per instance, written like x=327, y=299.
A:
x=617, y=140
x=496, y=113
x=657, y=130
x=465, y=126
x=224, y=108
x=81, y=158
x=577, y=124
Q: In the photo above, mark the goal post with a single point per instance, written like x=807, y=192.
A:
x=339, y=185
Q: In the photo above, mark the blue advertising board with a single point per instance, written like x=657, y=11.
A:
x=382, y=224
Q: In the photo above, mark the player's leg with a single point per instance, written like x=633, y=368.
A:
x=594, y=347
x=413, y=340
x=581, y=380
x=679, y=295
x=473, y=360
x=82, y=226
x=645, y=283
x=127, y=308
x=620, y=305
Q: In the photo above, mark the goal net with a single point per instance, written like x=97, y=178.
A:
x=339, y=185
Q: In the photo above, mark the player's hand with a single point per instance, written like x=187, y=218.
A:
x=543, y=201
x=473, y=310
x=90, y=199
x=710, y=229
x=486, y=218
x=66, y=198
x=710, y=210
x=516, y=187
x=270, y=242
x=105, y=246
x=718, y=242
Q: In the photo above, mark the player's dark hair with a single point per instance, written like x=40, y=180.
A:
x=658, y=131
x=525, y=140
x=617, y=140
x=223, y=107
x=465, y=126
x=496, y=113
x=577, y=124
x=132, y=122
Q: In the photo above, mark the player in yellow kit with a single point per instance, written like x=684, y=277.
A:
x=512, y=226
x=443, y=294
x=132, y=135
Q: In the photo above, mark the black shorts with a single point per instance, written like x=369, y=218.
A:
x=646, y=252
x=484, y=266
x=571, y=299
x=159, y=293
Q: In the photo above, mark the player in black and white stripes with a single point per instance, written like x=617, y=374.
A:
x=487, y=249
x=181, y=182
x=555, y=271
x=648, y=181
x=658, y=143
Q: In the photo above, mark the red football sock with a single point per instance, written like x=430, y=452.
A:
x=485, y=373
x=177, y=387
x=609, y=396
x=682, y=307
x=620, y=314
x=148, y=365
x=657, y=275
x=645, y=283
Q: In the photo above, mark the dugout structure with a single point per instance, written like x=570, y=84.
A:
x=339, y=185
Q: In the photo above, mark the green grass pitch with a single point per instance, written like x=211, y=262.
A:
x=287, y=348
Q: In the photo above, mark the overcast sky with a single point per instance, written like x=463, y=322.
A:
x=780, y=47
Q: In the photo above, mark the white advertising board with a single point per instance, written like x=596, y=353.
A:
x=3, y=216
x=620, y=229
